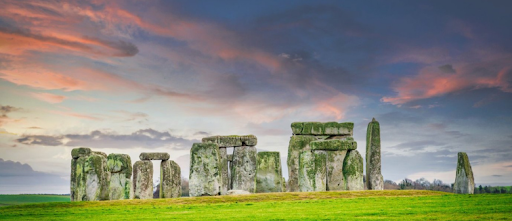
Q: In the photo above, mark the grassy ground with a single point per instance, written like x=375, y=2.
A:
x=6, y=200
x=385, y=205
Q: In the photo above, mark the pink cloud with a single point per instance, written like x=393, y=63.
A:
x=50, y=98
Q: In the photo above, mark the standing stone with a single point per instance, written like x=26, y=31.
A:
x=243, y=173
x=312, y=171
x=170, y=179
x=298, y=144
x=269, y=174
x=335, y=177
x=205, y=170
x=225, y=174
x=353, y=171
x=90, y=177
x=464, y=180
x=143, y=179
x=374, y=179
x=120, y=167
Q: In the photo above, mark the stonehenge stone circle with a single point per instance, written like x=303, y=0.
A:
x=353, y=171
x=143, y=179
x=374, y=179
x=464, y=180
x=205, y=170
x=90, y=178
x=243, y=172
x=269, y=174
x=313, y=171
x=170, y=179
x=154, y=156
x=120, y=167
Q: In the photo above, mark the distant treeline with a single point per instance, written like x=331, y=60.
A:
x=438, y=185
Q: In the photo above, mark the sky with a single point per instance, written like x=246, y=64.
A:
x=139, y=76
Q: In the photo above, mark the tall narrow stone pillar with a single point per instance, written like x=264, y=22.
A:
x=205, y=170
x=170, y=179
x=120, y=166
x=269, y=173
x=225, y=174
x=374, y=179
x=464, y=180
x=143, y=179
x=243, y=173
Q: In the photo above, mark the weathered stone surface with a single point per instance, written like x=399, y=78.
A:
x=120, y=163
x=312, y=171
x=143, y=179
x=225, y=174
x=170, y=179
x=374, y=179
x=269, y=174
x=80, y=152
x=335, y=178
x=97, y=179
x=464, y=180
x=298, y=143
x=283, y=183
x=333, y=145
x=154, y=156
x=353, y=171
x=120, y=167
x=322, y=128
x=205, y=170
x=243, y=172
x=78, y=179
x=230, y=157
x=237, y=192
x=232, y=140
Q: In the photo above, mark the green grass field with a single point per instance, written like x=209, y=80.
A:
x=7, y=200
x=384, y=205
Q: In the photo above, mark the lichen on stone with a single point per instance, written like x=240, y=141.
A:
x=268, y=174
x=333, y=145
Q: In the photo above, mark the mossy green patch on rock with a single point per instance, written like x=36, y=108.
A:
x=120, y=163
x=80, y=152
x=120, y=167
x=269, y=173
x=353, y=170
x=232, y=140
x=333, y=145
x=243, y=171
x=312, y=171
x=154, y=156
x=97, y=177
x=322, y=128
x=170, y=179
x=298, y=143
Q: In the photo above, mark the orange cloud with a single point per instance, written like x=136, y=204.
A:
x=50, y=98
x=43, y=80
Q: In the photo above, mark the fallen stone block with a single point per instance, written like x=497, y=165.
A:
x=154, y=156
x=205, y=170
x=143, y=179
x=269, y=174
x=170, y=179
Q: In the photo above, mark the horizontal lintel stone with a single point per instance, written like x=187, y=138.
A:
x=322, y=128
x=333, y=145
x=154, y=156
x=232, y=140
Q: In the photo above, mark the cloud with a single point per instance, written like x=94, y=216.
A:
x=447, y=68
x=4, y=110
x=50, y=98
x=147, y=138
x=16, y=177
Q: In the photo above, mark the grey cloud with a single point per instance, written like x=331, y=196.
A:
x=4, y=110
x=97, y=139
x=497, y=175
x=447, y=68
x=202, y=133
x=418, y=145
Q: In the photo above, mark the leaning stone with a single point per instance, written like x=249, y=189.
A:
x=170, y=179
x=298, y=143
x=353, y=171
x=464, y=180
x=225, y=174
x=154, y=156
x=322, y=128
x=232, y=141
x=80, y=152
x=97, y=179
x=268, y=174
x=312, y=171
x=335, y=178
x=120, y=166
x=243, y=172
x=374, y=179
x=205, y=170
x=333, y=145
x=143, y=179
x=237, y=192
